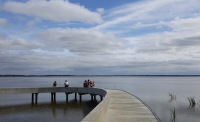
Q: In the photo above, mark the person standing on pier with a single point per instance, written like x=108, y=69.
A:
x=93, y=84
x=66, y=83
x=54, y=84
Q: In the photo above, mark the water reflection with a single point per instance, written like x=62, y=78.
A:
x=72, y=111
x=173, y=115
x=192, y=102
x=172, y=101
x=185, y=107
x=172, y=97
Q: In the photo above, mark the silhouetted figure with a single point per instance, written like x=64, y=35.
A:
x=66, y=84
x=93, y=84
x=85, y=84
x=54, y=84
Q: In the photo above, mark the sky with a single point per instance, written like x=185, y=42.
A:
x=99, y=37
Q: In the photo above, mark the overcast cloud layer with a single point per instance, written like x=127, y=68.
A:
x=146, y=37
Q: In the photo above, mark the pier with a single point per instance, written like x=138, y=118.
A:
x=117, y=105
x=93, y=92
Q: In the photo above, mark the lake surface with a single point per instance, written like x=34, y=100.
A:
x=153, y=90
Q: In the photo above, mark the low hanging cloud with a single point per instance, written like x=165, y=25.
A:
x=35, y=64
x=55, y=10
x=81, y=41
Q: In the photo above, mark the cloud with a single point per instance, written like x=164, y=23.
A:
x=55, y=10
x=100, y=10
x=144, y=37
x=81, y=41
x=33, y=22
x=3, y=21
x=7, y=44
x=184, y=34
x=185, y=25
x=36, y=64
x=148, y=12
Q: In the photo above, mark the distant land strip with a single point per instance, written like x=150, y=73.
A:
x=93, y=75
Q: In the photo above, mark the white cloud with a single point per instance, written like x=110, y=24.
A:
x=144, y=37
x=81, y=41
x=55, y=10
x=184, y=32
x=3, y=21
x=162, y=34
x=7, y=44
x=100, y=10
x=149, y=12
x=33, y=22
x=37, y=64
x=191, y=25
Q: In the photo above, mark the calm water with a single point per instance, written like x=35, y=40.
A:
x=154, y=91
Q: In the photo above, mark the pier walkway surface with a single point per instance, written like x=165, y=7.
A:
x=124, y=107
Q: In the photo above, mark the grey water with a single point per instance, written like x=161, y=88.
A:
x=153, y=90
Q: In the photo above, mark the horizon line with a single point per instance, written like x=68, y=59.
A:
x=85, y=75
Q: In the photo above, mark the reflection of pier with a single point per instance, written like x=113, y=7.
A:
x=53, y=90
x=45, y=111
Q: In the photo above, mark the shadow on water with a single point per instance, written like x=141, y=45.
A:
x=73, y=111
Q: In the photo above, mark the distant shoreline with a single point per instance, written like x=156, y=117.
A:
x=95, y=75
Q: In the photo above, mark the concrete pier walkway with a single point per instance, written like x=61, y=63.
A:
x=124, y=107
x=120, y=106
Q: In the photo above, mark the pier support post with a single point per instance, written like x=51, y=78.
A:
x=32, y=99
x=101, y=97
x=53, y=97
x=92, y=97
x=80, y=97
x=95, y=98
x=75, y=96
x=34, y=96
x=66, y=97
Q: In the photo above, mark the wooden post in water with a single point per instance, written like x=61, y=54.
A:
x=92, y=97
x=66, y=97
x=76, y=96
x=101, y=97
x=36, y=98
x=53, y=97
x=32, y=99
x=34, y=95
x=95, y=98
x=80, y=97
